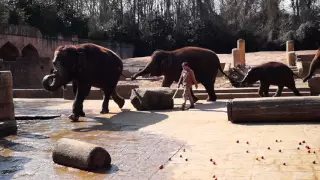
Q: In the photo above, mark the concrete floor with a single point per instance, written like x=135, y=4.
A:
x=139, y=142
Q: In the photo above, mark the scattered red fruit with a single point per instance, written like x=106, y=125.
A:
x=279, y=150
x=303, y=141
x=214, y=176
x=300, y=143
x=309, y=151
x=314, y=152
x=214, y=163
x=314, y=162
x=257, y=159
x=181, y=156
x=161, y=167
x=262, y=157
x=186, y=159
x=269, y=148
x=298, y=148
x=247, y=142
x=237, y=141
x=308, y=147
x=276, y=140
x=247, y=151
x=210, y=160
x=284, y=164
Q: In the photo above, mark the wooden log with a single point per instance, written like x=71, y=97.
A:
x=8, y=124
x=81, y=155
x=274, y=109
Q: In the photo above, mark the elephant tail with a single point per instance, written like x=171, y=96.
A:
x=232, y=81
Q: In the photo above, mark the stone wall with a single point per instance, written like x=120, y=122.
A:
x=28, y=54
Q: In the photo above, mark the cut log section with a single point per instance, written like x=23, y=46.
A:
x=159, y=98
x=274, y=109
x=81, y=155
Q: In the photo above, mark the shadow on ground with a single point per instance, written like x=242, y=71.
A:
x=125, y=121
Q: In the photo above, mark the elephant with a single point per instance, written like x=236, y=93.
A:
x=204, y=62
x=315, y=64
x=86, y=65
x=271, y=73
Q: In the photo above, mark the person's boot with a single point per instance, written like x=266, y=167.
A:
x=191, y=106
x=182, y=108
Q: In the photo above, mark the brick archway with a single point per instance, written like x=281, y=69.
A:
x=8, y=52
x=30, y=51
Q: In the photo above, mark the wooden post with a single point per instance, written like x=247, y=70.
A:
x=290, y=46
x=291, y=58
x=242, y=51
x=290, y=55
x=236, y=57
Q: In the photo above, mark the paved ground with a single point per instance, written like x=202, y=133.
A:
x=139, y=142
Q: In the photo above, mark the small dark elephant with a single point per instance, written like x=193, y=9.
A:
x=86, y=65
x=315, y=64
x=204, y=62
x=271, y=73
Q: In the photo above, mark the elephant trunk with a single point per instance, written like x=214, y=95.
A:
x=313, y=67
x=144, y=71
x=54, y=86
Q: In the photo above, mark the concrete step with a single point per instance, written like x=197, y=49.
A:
x=306, y=57
x=203, y=96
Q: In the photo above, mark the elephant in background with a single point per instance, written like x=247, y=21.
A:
x=204, y=62
x=271, y=73
x=86, y=65
x=315, y=64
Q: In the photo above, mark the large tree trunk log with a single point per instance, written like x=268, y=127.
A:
x=159, y=98
x=274, y=109
x=81, y=155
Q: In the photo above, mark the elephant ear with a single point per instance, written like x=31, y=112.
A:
x=166, y=62
x=81, y=61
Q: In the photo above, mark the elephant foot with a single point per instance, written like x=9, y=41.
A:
x=82, y=114
x=73, y=117
x=104, y=111
x=121, y=103
x=211, y=99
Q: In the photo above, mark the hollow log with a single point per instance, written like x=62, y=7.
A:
x=274, y=109
x=81, y=155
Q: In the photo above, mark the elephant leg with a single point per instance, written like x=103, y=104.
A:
x=261, y=90
x=117, y=99
x=74, y=89
x=295, y=90
x=167, y=81
x=266, y=90
x=279, y=91
x=106, y=98
x=77, y=107
x=208, y=85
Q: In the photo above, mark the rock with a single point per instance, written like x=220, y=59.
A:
x=159, y=98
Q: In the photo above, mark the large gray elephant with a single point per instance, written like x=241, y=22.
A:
x=86, y=65
x=204, y=62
